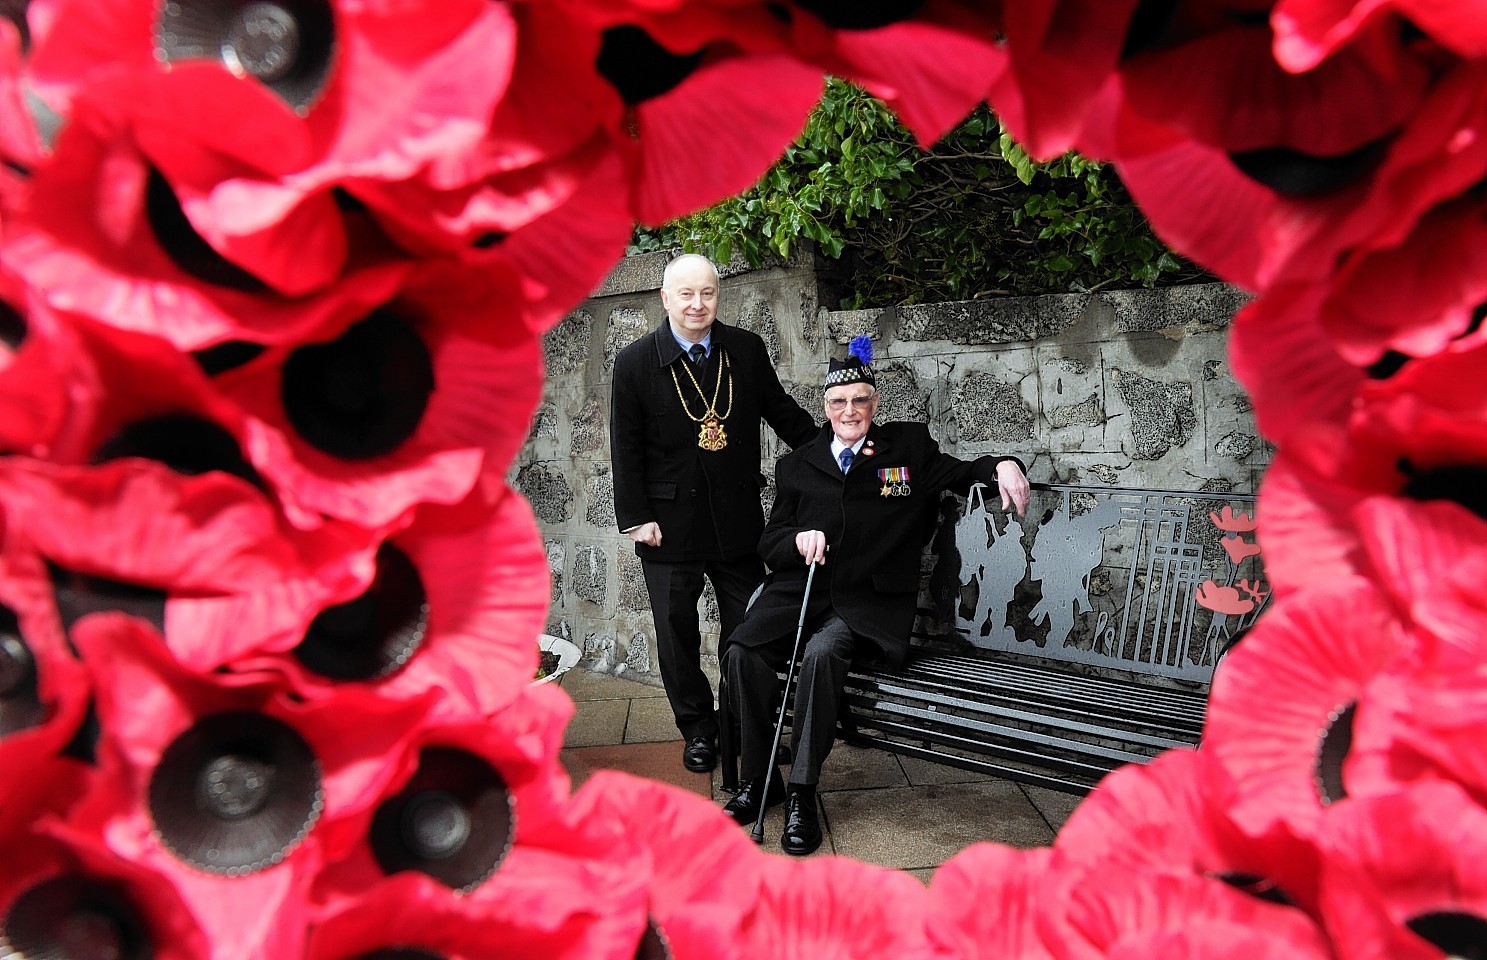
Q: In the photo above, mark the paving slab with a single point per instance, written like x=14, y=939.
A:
x=581, y=684
x=921, y=827
x=651, y=720
x=655, y=761
x=596, y=722
x=853, y=768
x=922, y=773
x=1055, y=805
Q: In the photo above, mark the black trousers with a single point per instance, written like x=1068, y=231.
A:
x=753, y=693
x=675, y=589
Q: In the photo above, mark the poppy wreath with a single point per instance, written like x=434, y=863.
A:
x=273, y=275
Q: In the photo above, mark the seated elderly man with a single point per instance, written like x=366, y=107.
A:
x=860, y=500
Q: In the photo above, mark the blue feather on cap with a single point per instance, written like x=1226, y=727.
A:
x=861, y=348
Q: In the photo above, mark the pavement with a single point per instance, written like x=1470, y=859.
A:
x=875, y=806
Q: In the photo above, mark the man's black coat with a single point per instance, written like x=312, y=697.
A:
x=661, y=474
x=871, y=574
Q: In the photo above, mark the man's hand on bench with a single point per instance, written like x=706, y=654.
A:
x=1014, y=486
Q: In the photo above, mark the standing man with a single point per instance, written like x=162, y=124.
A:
x=869, y=492
x=684, y=441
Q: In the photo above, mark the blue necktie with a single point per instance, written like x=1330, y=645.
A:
x=699, y=354
x=846, y=458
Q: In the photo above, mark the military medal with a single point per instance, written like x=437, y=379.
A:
x=895, y=482
x=710, y=435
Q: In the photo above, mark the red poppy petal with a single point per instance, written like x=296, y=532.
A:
x=1309, y=658
x=836, y=908
x=988, y=896
x=1393, y=859
x=707, y=872
x=751, y=108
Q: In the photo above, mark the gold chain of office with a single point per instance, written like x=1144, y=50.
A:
x=710, y=435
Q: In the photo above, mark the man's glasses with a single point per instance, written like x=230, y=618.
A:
x=838, y=404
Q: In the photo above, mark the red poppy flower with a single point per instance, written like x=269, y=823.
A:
x=1307, y=31
x=1059, y=58
x=1405, y=875
x=1264, y=217
x=930, y=61
x=484, y=811
x=105, y=236
x=1114, y=913
x=20, y=145
x=835, y=907
x=401, y=408
x=1171, y=816
x=455, y=605
x=1291, y=370
x=1310, y=662
x=1429, y=721
x=1213, y=76
x=987, y=897
x=1414, y=298
x=664, y=75
x=411, y=914
x=44, y=691
x=33, y=352
x=705, y=872
x=226, y=785
x=208, y=559
x=64, y=892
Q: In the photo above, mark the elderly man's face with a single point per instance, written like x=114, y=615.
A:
x=691, y=299
x=850, y=408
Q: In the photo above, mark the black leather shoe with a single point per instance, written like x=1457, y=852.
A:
x=744, y=807
x=700, y=754
x=802, y=828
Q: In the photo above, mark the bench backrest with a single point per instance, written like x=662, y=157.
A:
x=1151, y=582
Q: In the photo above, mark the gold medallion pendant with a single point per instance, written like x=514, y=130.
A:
x=712, y=436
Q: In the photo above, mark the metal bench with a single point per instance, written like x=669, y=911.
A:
x=1068, y=643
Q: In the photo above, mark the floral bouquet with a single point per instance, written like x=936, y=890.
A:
x=273, y=275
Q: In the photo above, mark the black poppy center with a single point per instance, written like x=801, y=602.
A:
x=453, y=821
x=262, y=39
x=1335, y=742
x=187, y=444
x=233, y=787
x=13, y=326
x=20, y=703
x=286, y=45
x=17, y=670
x=400, y=953
x=1456, y=934
x=1465, y=485
x=71, y=918
x=653, y=943
x=235, y=793
x=639, y=67
x=363, y=394
x=229, y=355
x=1292, y=173
x=861, y=14
x=376, y=634
x=435, y=825
x=186, y=248
x=79, y=594
x=1261, y=888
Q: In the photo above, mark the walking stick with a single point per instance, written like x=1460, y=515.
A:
x=779, y=726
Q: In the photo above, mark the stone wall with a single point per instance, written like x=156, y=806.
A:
x=1126, y=388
